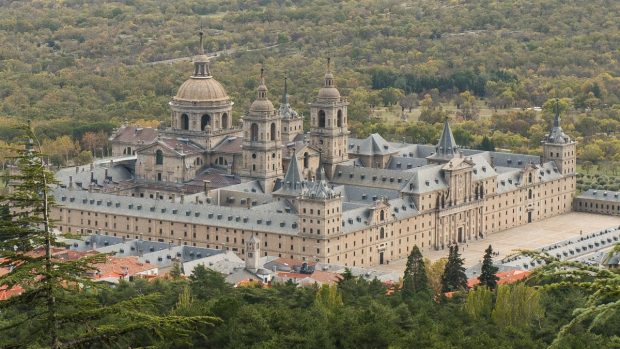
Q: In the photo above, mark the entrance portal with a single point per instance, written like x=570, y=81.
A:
x=380, y=257
x=529, y=217
x=461, y=237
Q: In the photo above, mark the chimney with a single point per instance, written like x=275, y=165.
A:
x=206, y=184
x=106, y=174
x=92, y=176
x=182, y=198
x=92, y=166
x=141, y=236
x=77, y=169
x=90, y=188
x=156, y=195
x=70, y=182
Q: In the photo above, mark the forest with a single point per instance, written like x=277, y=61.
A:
x=77, y=67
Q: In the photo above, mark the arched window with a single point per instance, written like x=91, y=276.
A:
x=306, y=159
x=529, y=194
x=273, y=131
x=339, y=119
x=381, y=232
x=382, y=215
x=321, y=118
x=254, y=132
x=224, y=121
x=159, y=157
x=184, y=122
x=530, y=178
x=204, y=121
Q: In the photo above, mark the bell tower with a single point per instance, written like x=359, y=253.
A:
x=559, y=147
x=262, y=144
x=328, y=121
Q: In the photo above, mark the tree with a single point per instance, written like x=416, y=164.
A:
x=85, y=157
x=488, y=274
x=454, y=278
x=487, y=144
x=54, y=306
x=434, y=273
x=517, y=306
x=479, y=303
x=414, y=279
x=176, y=271
x=90, y=140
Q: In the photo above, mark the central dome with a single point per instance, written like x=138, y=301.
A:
x=201, y=89
x=329, y=93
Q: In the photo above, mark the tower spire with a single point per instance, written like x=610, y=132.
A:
x=556, y=120
x=329, y=77
x=285, y=95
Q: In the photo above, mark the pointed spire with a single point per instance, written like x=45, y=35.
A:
x=285, y=95
x=293, y=177
x=556, y=120
x=446, y=147
x=320, y=171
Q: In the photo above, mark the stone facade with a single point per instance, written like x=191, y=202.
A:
x=356, y=202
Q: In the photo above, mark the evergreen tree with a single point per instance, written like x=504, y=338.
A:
x=175, y=271
x=414, y=279
x=454, y=277
x=53, y=306
x=488, y=275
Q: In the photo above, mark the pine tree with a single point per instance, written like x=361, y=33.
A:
x=454, y=277
x=488, y=275
x=56, y=308
x=414, y=279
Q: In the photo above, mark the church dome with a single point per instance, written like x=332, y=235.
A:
x=262, y=105
x=201, y=89
x=329, y=93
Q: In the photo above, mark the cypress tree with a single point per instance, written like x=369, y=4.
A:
x=414, y=279
x=454, y=277
x=488, y=275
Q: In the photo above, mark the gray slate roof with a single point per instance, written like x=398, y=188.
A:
x=227, y=217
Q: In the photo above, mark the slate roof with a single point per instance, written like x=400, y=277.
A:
x=602, y=195
x=371, y=145
x=135, y=135
x=115, y=174
x=227, y=217
x=401, y=163
x=371, y=177
x=229, y=145
x=426, y=179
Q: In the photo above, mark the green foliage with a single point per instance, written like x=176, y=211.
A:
x=479, y=303
x=517, y=306
x=488, y=273
x=415, y=280
x=454, y=278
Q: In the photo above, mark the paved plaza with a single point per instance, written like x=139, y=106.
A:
x=530, y=236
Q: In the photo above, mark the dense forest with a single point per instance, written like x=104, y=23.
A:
x=77, y=67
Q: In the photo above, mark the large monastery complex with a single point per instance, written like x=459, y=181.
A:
x=265, y=186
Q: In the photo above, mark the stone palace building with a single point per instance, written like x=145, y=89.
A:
x=266, y=184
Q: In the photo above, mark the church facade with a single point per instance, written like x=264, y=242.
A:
x=317, y=195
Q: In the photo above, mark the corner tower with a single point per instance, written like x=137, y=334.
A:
x=328, y=121
x=262, y=145
x=559, y=148
x=320, y=208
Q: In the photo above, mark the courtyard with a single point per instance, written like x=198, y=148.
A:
x=527, y=237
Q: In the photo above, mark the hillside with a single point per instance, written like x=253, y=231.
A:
x=78, y=62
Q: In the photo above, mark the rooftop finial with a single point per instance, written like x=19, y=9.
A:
x=329, y=60
x=201, y=33
x=262, y=75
